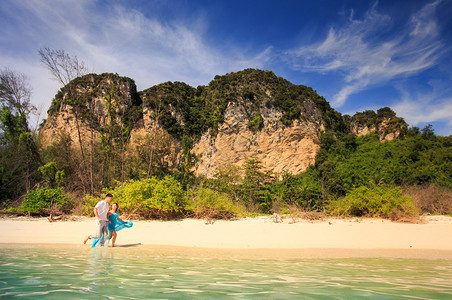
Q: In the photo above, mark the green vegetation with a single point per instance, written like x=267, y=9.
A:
x=352, y=162
x=150, y=198
x=256, y=123
x=373, y=202
x=165, y=199
x=19, y=153
x=210, y=204
x=352, y=176
x=45, y=200
x=384, y=121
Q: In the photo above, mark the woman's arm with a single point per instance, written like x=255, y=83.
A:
x=120, y=219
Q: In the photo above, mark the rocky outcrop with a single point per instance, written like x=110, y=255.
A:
x=384, y=122
x=250, y=114
x=280, y=148
x=88, y=105
x=148, y=133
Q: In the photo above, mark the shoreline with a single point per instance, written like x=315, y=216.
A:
x=255, y=253
x=250, y=237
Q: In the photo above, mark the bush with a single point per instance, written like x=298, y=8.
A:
x=88, y=205
x=45, y=200
x=256, y=123
x=147, y=198
x=431, y=198
x=168, y=199
x=303, y=190
x=206, y=203
x=374, y=202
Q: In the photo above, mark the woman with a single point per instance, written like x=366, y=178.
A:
x=114, y=226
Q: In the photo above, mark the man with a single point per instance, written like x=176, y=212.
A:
x=100, y=211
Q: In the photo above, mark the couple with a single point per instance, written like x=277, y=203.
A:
x=107, y=222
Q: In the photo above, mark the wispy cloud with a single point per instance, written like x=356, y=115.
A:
x=418, y=107
x=123, y=40
x=365, y=54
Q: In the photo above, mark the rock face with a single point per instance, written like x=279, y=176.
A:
x=88, y=105
x=384, y=122
x=163, y=145
x=279, y=148
x=250, y=114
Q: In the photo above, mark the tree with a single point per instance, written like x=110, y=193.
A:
x=428, y=131
x=18, y=141
x=15, y=92
x=255, y=185
x=65, y=68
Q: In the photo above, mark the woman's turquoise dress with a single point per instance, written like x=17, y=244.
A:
x=115, y=225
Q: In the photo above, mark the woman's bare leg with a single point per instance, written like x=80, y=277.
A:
x=113, y=238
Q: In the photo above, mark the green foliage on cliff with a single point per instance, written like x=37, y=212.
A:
x=184, y=110
x=187, y=112
x=384, y=121
x=256, y=123
x=80, y=92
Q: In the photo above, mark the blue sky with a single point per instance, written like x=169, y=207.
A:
x=358, y=54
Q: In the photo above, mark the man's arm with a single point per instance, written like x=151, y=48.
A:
x=96, y=213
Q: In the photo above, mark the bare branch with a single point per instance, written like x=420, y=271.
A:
x=15, y=91
x=66, y=68
x=63, y=66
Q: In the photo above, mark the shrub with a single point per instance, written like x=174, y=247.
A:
x=43, y=200
x=206, y=203
x=168, y=199
x=431, y=198
x=147, y=198
x=88, y=205
x=374, y=202
x=256, y=122
x=303, y=190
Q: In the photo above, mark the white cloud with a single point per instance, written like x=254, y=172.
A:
x=422, y=22
x=426, y=110
x=434, y=104
x=365, y=55
x=120, y=40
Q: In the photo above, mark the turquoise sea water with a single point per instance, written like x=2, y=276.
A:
x=64, y=272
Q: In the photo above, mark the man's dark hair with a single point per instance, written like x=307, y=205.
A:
x=109, y=195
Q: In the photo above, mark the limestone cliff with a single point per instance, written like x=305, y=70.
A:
x=243, y=115
x=280, y=148
x=384, y=122
x=238, y=116
x=88, y=106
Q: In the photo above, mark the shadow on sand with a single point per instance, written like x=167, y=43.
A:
x=128, y=245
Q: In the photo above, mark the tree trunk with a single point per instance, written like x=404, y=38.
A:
x=153, y=139
x=83, y=169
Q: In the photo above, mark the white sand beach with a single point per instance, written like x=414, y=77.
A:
x=257, y=236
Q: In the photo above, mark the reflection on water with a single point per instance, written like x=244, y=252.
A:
x=119, y=273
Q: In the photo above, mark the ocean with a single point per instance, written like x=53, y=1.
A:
x=137, y=272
